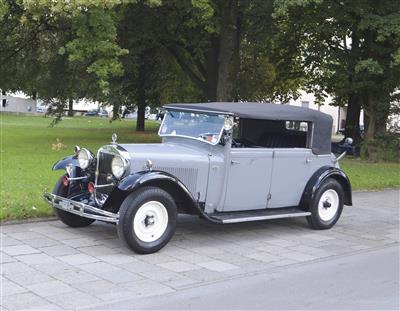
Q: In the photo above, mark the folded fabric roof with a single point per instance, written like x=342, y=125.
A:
x=322, y=123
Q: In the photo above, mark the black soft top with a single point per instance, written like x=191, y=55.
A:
x=321, y=140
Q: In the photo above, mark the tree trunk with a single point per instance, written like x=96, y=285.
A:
x=354, y=100
x=371, y=151
x=70, y=107
x=140, y=116
x=228, y=59
x=353, y=118
x=211, y=66
x=377, y=115
x=116, y=108
x=141, y=100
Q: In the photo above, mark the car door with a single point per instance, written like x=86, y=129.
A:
x=249, y=175
x=292, y=168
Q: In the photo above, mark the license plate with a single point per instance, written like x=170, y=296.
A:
x=66, y=205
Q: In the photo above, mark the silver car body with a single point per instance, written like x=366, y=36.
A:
x=229, y=179
x=215, y=176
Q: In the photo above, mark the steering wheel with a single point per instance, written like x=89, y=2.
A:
x=236, y=144
x=208, y=136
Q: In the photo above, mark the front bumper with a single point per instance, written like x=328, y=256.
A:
x=79, y=208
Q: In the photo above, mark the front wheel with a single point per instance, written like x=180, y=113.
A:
x=327, y=205
x=67, y=218
x=147, y=220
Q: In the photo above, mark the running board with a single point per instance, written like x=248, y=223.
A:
x=256, y=215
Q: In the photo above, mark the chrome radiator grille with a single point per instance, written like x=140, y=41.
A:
x=103, y=171
x=104, y=167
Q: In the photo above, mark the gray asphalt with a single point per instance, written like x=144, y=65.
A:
x=367, y=280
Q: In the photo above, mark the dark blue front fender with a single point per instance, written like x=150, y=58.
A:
x=160, y=179
x=62, y=164
x=132, y=182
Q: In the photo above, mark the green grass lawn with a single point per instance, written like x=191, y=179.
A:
x=368, y=176
x=27, y=155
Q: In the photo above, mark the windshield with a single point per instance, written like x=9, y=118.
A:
x=201, y=126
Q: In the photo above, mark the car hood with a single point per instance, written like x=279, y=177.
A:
x=166, y=155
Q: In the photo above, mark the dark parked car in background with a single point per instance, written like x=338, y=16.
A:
x=345, y=145
x=342, y=131
x=96, y=113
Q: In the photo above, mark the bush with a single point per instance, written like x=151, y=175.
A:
x=383, y=148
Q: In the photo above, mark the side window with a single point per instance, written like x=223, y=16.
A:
x=272, y=134
x=297, y=126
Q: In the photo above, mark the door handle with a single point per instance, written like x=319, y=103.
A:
x=235, y=162
x=308, y=160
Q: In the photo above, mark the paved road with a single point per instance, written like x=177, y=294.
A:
x=367, y=280
x=47, y=265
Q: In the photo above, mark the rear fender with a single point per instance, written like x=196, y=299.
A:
x=318, y=178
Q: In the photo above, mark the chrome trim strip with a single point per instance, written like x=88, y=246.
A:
x=256, y=218
x=172, y=107
x=104, y=186
x=79, y=208
x=77, y=178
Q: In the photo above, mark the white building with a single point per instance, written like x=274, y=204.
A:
x=338, y=114
x=15, y=103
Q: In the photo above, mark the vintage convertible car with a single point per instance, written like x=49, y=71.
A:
x=227, y=162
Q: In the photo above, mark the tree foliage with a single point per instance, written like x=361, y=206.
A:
x=348, y=49
x=149, y=52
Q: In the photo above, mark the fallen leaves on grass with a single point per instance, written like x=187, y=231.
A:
x=58, y=145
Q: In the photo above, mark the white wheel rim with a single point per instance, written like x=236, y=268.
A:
x=151, y=221
x=328, y=205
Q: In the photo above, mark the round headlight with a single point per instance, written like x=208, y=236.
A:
x=118, y=166
x=85, y=158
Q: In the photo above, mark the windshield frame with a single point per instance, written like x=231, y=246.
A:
x=191, y=137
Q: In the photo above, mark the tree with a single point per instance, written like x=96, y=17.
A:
x=147, y=52
x=348, y=49
x=225, y=47
x=61, y=50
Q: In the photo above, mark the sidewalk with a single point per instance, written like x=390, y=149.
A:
x=47, y=265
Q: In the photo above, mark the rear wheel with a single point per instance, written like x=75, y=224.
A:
x=147, y=220
x=327, y=205
x=67, y=218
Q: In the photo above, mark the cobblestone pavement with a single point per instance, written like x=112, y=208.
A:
x=47, y=265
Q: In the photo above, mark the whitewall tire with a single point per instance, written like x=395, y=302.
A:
x=327, y=205
x=147, y=219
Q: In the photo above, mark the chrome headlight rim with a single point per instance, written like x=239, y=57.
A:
x=119, y=169
x=85, y=158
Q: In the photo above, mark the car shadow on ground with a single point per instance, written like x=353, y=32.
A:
x=194, y=231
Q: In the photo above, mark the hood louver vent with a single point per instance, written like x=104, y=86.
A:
x=186, y=175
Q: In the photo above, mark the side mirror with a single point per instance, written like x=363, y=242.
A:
x=348, y=141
